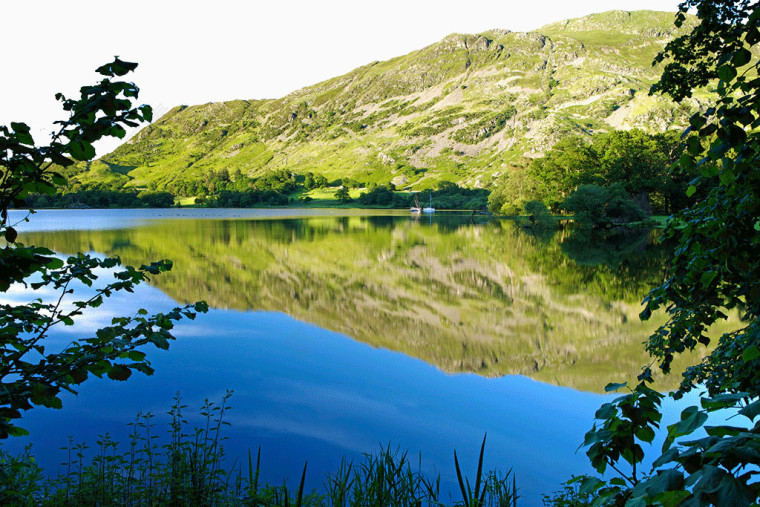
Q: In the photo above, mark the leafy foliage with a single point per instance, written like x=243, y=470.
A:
x=342, y=194
x=713, y=270
x=30, y=373
x=634, y=159
x=595, y=206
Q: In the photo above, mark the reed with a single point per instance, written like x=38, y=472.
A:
x=190, y=469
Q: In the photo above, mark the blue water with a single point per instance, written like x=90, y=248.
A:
x=306, y=393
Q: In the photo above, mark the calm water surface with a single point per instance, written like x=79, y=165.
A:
x=341, y=331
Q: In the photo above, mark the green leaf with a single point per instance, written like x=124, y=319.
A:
x=81, y=150
x=57, y=179
x=665, y=480
x=727, y=178
x=752, y=410
x=60, y=159
x=686, y=162
x=669, y=455
x=742, y=56
x=117, y=131
x=589, y=485
x=614, y=387
x=727, y=73
x=15, y=431
x=753, y=35
x=136, y=355
x=691, y=190
x=691, y=419
x=147, y=112
x=672, y=498
x=694, y=145
x=722, y=401
x=116, y=68
x=78, y=376
x=22, y=133
x=707, y=277
x=645, y=434
x=709, y=171
x=52, y=402
x=724, y=431
x=119, y=372
x=10, y=235
x=732, y=492
x=750, y=353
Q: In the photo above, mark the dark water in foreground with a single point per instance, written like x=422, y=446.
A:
x=339, y=334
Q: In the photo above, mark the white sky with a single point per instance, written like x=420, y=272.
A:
x=195, y=52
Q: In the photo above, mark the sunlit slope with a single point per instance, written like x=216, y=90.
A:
x=488, y=299
x=463, y=109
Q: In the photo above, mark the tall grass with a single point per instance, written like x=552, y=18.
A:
x=190, y=469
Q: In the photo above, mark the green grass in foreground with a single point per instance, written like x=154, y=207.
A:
x=190, y=470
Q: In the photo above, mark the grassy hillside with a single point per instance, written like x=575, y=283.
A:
x=464, y=109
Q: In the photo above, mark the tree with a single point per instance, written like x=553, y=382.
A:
x=570, y=162
x=714, y=270
x=30, y=374
x=342, y=194
x=157, y=199
x=638, y=160
x=595, y=206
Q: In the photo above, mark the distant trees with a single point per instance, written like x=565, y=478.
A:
x=314, y=181
x=342, y=194
x=638, y=161
x=597, y=206
x=156, y=199
x=449, y=195
x=99, y=198
x=379, y=196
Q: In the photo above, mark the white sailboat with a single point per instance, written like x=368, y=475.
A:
x=416, y=207
x=429, y=209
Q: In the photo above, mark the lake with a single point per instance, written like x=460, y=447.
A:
x=341, y=331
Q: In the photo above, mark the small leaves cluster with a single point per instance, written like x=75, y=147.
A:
x=719, y=468
x=30, y=373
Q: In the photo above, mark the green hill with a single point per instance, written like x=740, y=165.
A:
x=464, y=109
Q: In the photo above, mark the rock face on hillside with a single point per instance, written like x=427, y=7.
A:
x=463, y=109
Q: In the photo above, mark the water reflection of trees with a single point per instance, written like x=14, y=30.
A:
x=611, y=248
x=488, y=298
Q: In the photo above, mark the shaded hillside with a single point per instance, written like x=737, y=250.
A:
x=463, y=109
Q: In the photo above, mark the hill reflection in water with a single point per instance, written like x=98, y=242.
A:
x=483, y=298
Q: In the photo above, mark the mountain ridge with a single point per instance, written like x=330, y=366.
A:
x=464, y=109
